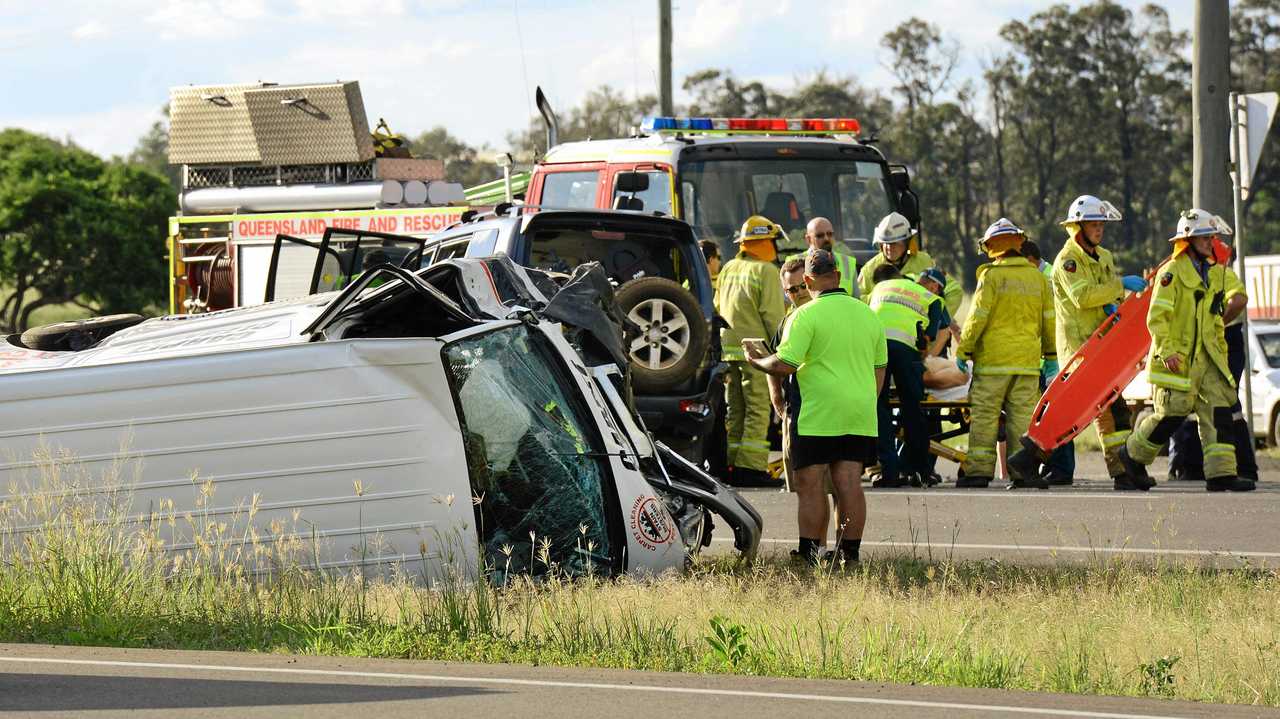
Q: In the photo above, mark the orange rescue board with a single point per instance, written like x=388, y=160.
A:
x=1095, y=375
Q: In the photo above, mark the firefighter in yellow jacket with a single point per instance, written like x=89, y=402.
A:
x=898, y=246
x=1086, y=288
x=750, y=300
x=1188, y=363
x=1009, y=330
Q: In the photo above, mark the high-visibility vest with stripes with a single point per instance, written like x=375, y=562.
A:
x=901, y=305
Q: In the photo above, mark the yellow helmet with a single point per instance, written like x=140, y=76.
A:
x=1001, y=237
x=758, y=228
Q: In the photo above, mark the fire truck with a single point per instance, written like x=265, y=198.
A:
x=715, y=172
x=261, y=162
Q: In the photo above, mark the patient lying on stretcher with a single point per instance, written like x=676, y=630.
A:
x=945, y=381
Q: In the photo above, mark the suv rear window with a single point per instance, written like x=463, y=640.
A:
x=625, y=256
x=570, y=189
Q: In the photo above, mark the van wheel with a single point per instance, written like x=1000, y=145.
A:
x=673, y=336
x=76, y=335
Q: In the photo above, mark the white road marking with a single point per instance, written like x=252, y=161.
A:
x=1046, y=548
x=591, y=685
x=950, y=493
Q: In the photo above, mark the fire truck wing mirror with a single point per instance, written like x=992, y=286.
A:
x=899, y=178
x=909, y=206
x=631, y=182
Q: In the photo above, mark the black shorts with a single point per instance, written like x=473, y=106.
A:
x=807, y=450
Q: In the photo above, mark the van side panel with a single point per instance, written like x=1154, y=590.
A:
x=359, y=438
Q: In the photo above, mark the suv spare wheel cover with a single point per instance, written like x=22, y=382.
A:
x=673, y=336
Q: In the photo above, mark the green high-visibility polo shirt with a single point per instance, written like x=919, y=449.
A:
x=836, y=342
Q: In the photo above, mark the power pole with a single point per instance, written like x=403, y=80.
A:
x=664, y=58
x=1210, y=81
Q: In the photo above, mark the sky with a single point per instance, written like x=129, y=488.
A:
x=99, y=72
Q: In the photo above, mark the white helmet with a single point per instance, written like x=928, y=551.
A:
x=893, y=228
x=1000, y=228
x=1198, y=223
x=1087, y=208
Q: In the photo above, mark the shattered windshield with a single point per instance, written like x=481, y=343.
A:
x=534, y=461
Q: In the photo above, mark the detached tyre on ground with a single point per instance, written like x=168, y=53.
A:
x=673, y=335
x=77, y=334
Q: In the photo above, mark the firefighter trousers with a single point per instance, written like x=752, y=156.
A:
x=747, y=420
x=989, y=395
x=1210, y=398
x=1113, y=427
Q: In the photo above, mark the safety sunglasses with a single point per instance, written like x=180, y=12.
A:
x=795, y=289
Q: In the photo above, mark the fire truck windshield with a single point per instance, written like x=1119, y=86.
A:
x=716, y=196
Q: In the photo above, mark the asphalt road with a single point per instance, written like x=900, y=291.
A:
x=1085, y=522
x=49, y=682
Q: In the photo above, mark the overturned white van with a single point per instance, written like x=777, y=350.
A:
x=445, y=412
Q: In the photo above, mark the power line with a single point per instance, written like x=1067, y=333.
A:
x=524, y=67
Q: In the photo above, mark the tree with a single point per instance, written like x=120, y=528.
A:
x=75, y=229
x=717, y=93
x=921, y=61
x=462, y=162
x=1103, y=112
x=946, y=144
x=152, y=151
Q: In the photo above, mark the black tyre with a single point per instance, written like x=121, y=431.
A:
x=77, y=334
x=673, y=334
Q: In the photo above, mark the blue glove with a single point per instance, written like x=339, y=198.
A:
x=963, y=364
x=1109, y=309
x=1133, y=283
x=1050, y=369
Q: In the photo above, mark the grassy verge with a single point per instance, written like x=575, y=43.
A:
x=1169, y=630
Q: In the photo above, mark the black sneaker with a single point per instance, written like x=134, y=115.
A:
x=915, y=480
x=1125, y=483
x=831, y=556
x=934, y=479
x=1032, y=482
x=809, y=559
x=1230, y=484
x=882, y=483
x=968, y=482
x=1136, y=471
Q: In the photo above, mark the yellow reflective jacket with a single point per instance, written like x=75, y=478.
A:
x=917, y=262
x=1010, y=324
x=1181, y=322
x=901, y=306
x=749, y=298
x=1082, y=285
x=846, y=263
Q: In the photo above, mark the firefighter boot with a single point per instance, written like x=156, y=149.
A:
x=1135, y=476
x=1025, y=463
x=1230, y=484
